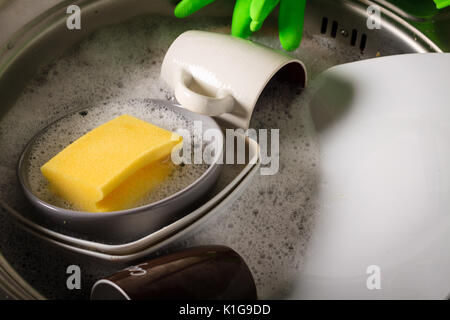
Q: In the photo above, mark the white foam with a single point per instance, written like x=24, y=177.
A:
x=271, y=222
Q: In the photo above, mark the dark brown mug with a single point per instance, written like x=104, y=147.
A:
x=207, y=272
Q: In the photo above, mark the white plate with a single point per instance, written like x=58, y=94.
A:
x=384, y=133
x=187, y=229
x=144, y=243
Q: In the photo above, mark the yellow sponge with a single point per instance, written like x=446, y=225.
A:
x=113, y=166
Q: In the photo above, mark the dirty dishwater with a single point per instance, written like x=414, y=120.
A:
x=269, y=226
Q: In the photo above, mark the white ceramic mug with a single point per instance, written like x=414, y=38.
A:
x=221, y=75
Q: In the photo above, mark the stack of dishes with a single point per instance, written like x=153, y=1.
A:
x=145, y=229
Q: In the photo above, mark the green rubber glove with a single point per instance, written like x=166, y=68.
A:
x=249, y=15
x=440, y=4
x=290, y=19
x=240, y=26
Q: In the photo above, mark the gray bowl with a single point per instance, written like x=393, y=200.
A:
x=125, y=225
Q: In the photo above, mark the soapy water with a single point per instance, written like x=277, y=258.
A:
x=269, y=225
x=66, y=130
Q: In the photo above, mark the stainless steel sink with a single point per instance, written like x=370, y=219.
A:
x=32, y=33
x=433, y=23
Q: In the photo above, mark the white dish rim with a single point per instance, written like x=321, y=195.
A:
x=148, y=240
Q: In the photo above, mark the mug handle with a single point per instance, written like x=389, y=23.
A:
x=193, y=101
